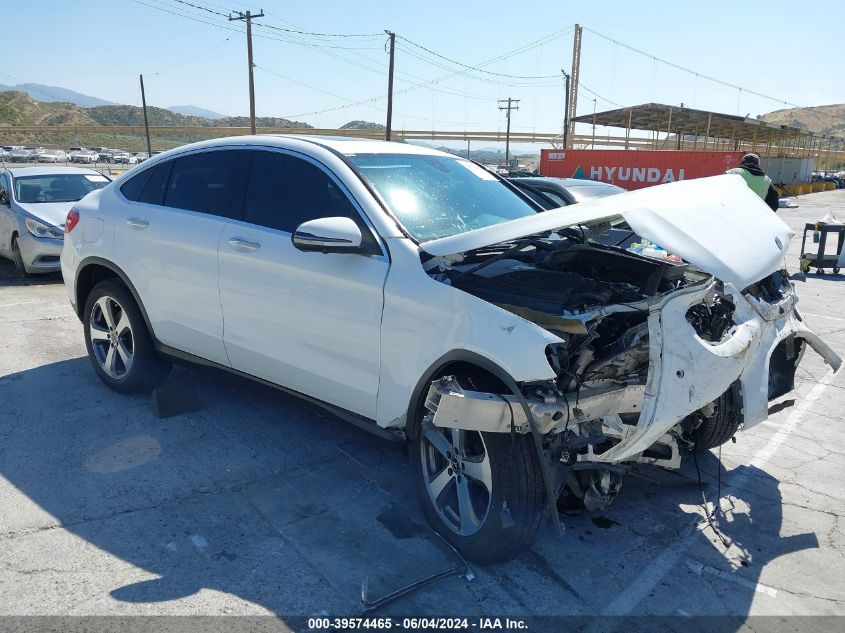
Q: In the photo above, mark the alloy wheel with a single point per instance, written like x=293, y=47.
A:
x=112, y=339
x=457, y=476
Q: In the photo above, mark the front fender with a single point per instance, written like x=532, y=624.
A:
x=426, y=321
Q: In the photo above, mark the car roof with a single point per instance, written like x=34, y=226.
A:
x=48, y=171
x=347, y=146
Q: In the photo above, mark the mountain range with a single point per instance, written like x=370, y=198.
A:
x=57, y=94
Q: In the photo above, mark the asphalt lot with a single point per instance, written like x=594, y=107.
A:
x=262, y=504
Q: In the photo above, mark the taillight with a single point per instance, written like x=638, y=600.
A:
x=72, y=220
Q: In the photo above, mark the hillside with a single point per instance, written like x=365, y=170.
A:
x=827, y=119
x=362, y=125
x=18, y=108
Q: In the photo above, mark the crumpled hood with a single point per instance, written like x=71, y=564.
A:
x=54, y=213
x=717, y=224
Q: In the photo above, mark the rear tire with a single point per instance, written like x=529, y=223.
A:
x=483, y=492
x=119, y=345
x=721, y=426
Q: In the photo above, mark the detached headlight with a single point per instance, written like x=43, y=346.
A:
x=39, y=229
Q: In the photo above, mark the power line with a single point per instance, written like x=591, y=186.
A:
x=196, y=6
x=483, y=79
x=697, y=74
x=600, y=98
x=436, y=80
x=312, y=33
x=474, y=68
x=190, y=59
x=690, y=71
x=279, y=28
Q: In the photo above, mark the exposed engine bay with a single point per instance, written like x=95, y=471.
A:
x=606, y=305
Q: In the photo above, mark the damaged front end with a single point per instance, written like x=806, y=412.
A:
x=650, y=353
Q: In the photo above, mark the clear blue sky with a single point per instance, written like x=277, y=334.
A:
x=99, y=47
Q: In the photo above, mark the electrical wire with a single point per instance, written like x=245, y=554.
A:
x=709, y=515
x=472, y=68
x=190, y=59
x=279, y=28
x=483, y=79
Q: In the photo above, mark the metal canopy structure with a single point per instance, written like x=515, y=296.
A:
x=680, y=128
x=680, y=120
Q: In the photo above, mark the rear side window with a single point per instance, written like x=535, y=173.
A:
x=204, y=182
x=148, y=186
x=283, y=191
x=133, y=187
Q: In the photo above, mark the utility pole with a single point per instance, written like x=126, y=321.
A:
x=511, y=105
x=248, y=17
x=389, y=124
x=146, y=121
x=565, y=110
x=573, y=91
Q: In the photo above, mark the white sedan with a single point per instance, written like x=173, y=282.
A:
x=52, y=156
x=424, y=298
x=124, y=157
x=84, y=156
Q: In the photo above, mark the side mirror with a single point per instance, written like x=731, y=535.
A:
x=328, y=235
x=4, y=198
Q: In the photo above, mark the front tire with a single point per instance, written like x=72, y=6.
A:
x=18, y=259
x=483, y=492
x=719, y=427
x=119, y=345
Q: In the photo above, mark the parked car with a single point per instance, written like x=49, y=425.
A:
x=34, y=202
x=124, y=158
x=424, y=298
x=559, y=192
x=85, y=156
x=140, y=157
x=71, y=150
x=52, y=156
x=106, y=155
x=23, y=155
x=3, y=154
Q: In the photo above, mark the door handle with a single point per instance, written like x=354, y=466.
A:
x=239, y=244
x=137, y=223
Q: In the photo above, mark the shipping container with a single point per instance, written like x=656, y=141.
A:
x=635, y=169
x=788, y=170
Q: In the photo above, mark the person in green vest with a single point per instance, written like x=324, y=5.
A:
x=757, y=180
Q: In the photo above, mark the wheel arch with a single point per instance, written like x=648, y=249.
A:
x=93, y=270
x=463, y=363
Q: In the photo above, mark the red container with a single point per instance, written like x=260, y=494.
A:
x=635, y=169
